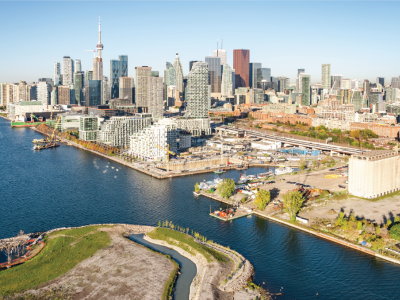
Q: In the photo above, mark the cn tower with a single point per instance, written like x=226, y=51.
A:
x=98, y=61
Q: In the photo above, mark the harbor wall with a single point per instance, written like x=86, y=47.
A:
x=198, y=164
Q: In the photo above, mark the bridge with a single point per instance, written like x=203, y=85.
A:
x=290, y=141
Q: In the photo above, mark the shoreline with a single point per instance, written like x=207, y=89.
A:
x=310, y=231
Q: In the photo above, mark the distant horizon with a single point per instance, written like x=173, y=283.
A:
x=294, y=35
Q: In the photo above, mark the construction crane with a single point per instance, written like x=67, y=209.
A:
x=168, y=153
x=94, y=52
x=55, y=128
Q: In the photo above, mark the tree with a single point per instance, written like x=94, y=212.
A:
x=262, y=199
x=359, y=225
x=395, y=231
x=226, y=188
x=196, y=187
x=292, y=201
x=302, y=164
x=396, y=219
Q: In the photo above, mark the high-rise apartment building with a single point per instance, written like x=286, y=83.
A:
x=395, y=83
x=179, y=74
x=54, y=95
x=78, y=86
x=106, y=90
x=326, y=76
x=214, y=74
x=22, y=91
x=221, y=53
x=57, y=74
x=198, y=97
x=3, y=93
x=77, y=66
x=142, y=86
x=118, y=68
x=64, y=96
x=366, y=89
x=170, y=77
x=155, y=96
x=68, y=71
x=32, y=92
x=299, y=71
x=241, y=60
x=43, y=92
x=228, y=82
x=283, y=83
x=255, y=75
x=346, y=84
x=126, y=88
x=354, y=84
x=305, y=93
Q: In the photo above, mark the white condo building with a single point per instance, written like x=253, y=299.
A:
x=144, y=143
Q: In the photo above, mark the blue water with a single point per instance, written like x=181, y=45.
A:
x=70, y=187
x=187, y=267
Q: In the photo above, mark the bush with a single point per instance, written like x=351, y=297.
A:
x=395, y=231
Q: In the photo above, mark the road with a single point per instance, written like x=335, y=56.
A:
x=292, y=141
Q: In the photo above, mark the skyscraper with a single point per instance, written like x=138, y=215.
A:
x=381, y=81
x=326, y=76
x=118, y=68
x=214, y=73
x=78, y=66
x=22, y=91
x=126, y=88
x=241, y=59
x=179, y=74
x=283, y=83
x=228, y=82
x=170, y=75
x=221, y=54
x=98, y=61
x=68, y=71
x=56, y=73
x=336, y=82
x=43, y=92
x=142, y=86
x=305, y=94
x=64, y=94
x=198, y=98
x=191, y=63
x=106, y=90
x=78, y=86
x=366, y=89
x=94, y=93
x=299, y=71
x=155, y=96
x=255, y=75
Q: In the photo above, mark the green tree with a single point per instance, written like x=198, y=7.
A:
x=262, y=199
x=196, y=187
x=395, y=231
x=378, y=229
x=292, y=201
x=388, y=223
x=240, y=153
x=226, y=188
x=159, y=223
x=302, y=164
x=378, y=243
x=359, y=225
x=397, y=219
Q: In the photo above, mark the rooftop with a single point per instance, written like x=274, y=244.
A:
x=376, y=154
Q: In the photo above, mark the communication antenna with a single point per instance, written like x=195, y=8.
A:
x=217, y=48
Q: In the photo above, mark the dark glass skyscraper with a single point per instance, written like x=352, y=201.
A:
x=94, y=93
x=255, y=75
x=214, y=73
x=118, y=68
x=78, y=86
x=241, y=60
x=191, y=63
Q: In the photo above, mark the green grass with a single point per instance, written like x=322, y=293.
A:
x=168, y=286
x=55, y=259
x=186, y=242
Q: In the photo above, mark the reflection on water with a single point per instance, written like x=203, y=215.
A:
x=68, y=187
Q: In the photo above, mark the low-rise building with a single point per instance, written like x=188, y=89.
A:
x=383, y=130
x=374, y=173
x=196, y=127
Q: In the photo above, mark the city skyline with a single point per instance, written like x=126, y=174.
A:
x=358, y=59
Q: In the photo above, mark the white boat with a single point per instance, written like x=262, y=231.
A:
x=196, y=193
x=265, y=175
x=284, y=170
x=218, y=180
x=242, y=179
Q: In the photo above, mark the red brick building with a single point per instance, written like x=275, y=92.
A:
x=281, y=117
x=380, y=129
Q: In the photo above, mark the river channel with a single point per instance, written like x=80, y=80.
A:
x=41, y=190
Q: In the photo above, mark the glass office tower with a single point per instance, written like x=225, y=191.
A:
x=94, y=93
x=255, y=75
x=118, y=68
x=241, y=60
x=78, y=86
x=214, y=73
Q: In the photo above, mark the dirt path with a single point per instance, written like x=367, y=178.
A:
x=125, y=270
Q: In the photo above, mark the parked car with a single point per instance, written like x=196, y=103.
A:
x=342, y=186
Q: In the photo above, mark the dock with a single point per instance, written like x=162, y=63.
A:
x=239, y=213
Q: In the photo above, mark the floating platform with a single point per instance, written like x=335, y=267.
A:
x=237, y=214
x=45, y=146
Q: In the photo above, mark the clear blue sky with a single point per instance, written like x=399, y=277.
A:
x=360, y=39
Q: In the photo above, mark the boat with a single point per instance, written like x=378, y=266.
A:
x=45, y=146
x=284, y=170
x=218, y=180
x=39, y=141
x=220, y=171
x=196, y=193
x=265, y=175
x=242, y=179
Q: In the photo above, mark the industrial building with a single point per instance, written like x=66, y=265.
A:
x=117, y=130
x=152, y=142
x=374, y=173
